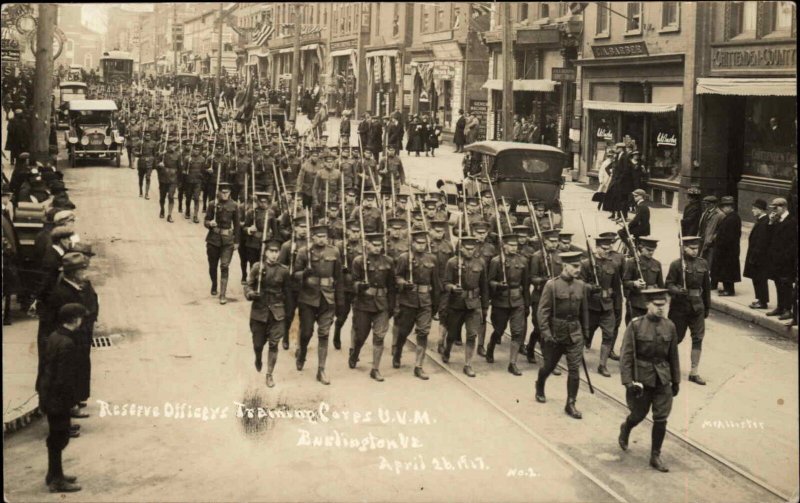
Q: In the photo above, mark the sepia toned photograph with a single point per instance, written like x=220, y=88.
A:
x=409, y=252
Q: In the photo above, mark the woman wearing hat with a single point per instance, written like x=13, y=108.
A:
x=414, y=143
x=458, y=136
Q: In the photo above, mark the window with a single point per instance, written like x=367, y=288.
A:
x=670, y=15
x=335, y=17
x=780, y=15
x=425, y=19
x=441, y=15
x=544, y=10
x=522, y=12
x=634, y=23
x=603, y=28
x=743, y=19
x=396, y=20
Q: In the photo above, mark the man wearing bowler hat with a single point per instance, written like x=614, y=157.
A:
x=725, y=266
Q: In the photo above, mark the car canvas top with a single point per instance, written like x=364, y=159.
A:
x=92, y=105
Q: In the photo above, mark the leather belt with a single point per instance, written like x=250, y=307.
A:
x=224, y=232
x=422, y=288
x=651, y=360
x=516, y=289
x=568, y=319
x=316, y=280
x=376, y=292
x=473, y=294
x=694, y=292
x=651, y=286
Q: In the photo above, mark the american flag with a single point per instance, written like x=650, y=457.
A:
x=481, y=8
x=309, y=29
x=206, y=111
x=264, y=33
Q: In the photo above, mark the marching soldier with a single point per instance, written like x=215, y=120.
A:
x=689, y=286
x=401, y=207
x=369, y=211
x=398, y=241
x=196, y=166
x=291, y=165
x=353, y=249
x=468, y=302
x=306, y=177
x=545, y=264
x=485, y=251
x=287, y=257
x=619, y=259
x=540, y=212
x=373, y=280
x=222, y=238
x=650, y=371
x=183, y=187
x=442, y=248
x=509, y=289
x=168, y=170
x=641, y=274
x=146, y=153
x=419, y=288
x=325, y=186
x=348, y=169
x=564, y=322
x=603, y=276
x=268, y=288
x=253, y=230
x=391, y=170
x=318, y=268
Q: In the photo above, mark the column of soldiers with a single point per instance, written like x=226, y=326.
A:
x=323, y=232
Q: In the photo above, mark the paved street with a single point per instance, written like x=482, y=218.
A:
x=174, y=344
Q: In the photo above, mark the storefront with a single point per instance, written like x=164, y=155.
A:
x=384, y=71
x=343, y=82
x=753, y=137
x=311, y=68
x=535, y=99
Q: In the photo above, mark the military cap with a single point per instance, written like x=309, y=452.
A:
x=420, y=236
x=553, y=234
x=369, y=194
x=345, y=152
x=334, y=148
x=351, y=191
x=367, y=149
x=619, y=144
x=61, y=232
x=24, y=155
x=760, y=204
x=468, y=241
x=473, y=200
x=319, y=230
x=511, y=239
x=562, y=234
x=522, y=230
x=439, y=224
x=375, y=238
x=70, y=312
x=486, y=193
x=639, y=192
x=691, y=240
x=301, y=221
x=778, y=201
x=573, y=257
x=430, y=204
x=710, y=199
x=416, y=214
x=172, y=139
x=657, y=296
x=727, y=201
x=604, y=240
x=273, y=244
x=608, y=235
x=480, y=226
x=390, y=147
x=262, y=195
x=648, y=242
x=73, y=261
x=224, y=186
x=396, y=223
x=84, y=248
x=329, y=155
x=353, y=225
x=694, y=190
x=539, y=205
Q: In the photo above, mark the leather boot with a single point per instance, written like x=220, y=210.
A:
x=337, y=337
x=353, y=359
x=223, y=288
x=272, y=358
x=62, y=486
x=300, y=357
x=270, y=381
x=419, y=356
x=601, y=369
x=147, y=189
x=418, y=372
x=624, y=434
x=530, y=354
x=322, y=377
x=376, y=374
x=285, y=340
x=396, y=354
x=657, y=438
x=695, y=359
x=512, y=364
x=446, y=355
x=571, y=410
x=214, y=285
x=194, y=217
x=613, y=355
x=161, y=213
x=468, y=351
x=572, y=393
x=377, y=354
x=322, y=352
x=540, y=391
x=258, y=359
x=442, y=338
x=481, y=350
x=489, y=351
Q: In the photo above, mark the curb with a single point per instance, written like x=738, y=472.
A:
x=22, y=421
x=755, y=318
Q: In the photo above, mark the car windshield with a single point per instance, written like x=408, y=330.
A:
x=91, y=117
x=524, y=164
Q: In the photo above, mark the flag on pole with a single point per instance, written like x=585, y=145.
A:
x=264, y=34
x=207, y=112
x=310, y=29
x=481, y=8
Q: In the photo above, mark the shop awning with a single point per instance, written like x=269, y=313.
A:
x=309, y=47
x=618, y=106
x=386, y=52
x=539, y=85
x=747, y=87
x=343, y=52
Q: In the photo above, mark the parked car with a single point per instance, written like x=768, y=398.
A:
x=68, y=91
x=93, y=132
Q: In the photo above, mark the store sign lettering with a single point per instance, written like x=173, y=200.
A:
x=444, y=72
x=666, y=140
x=605, y=134
x=774, y=157
x=755, y=58
x=610, y=51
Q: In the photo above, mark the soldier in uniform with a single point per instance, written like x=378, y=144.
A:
x=401, y=207
x=183, y=187
x=268, y=288
x=639, y=275
x=544, y=265
x=318, y=267
x=287, y=257
x=391, y=171
x=419, y=287
x=222, y=238
x=168, y=170
x=565, y=242
x=510, y=294
x=564, y=321
x=253, y=229
x=146, y=154
x=468, y=289
x=306, y=177
x=398, y=241
x=691, y=299
x=325, y=187
x=291, y=166
x=369, y=211
x=442, y=248
x=373, y=280
x=196, y=166
x=540, y=212
x=619, y=259
x=485, y=251
x=350, y=249
x=603, y=275
x=650, y=371
x=348, y=169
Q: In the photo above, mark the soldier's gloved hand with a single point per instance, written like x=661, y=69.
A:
x=595, y=288
x=675, y=388
x=212, y=224
x=252, y=230
x=640, y=284
x=635, y=388
x=683, y=291
x=408, y=287
x=307, y=272
x=456, y=289
x=361, y=286
x=253, y=295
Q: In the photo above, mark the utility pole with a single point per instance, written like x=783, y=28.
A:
x=43, y=81
x=508, y=63
x=219, y=53
x=295, y=64
x=174, y=43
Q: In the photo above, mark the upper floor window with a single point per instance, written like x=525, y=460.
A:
x=633, y=25
x=395, y=19
x=781, y=15
x=743, y=17
x=441, y=16
x=603, y=27
x=670, y=15
x=425, y=19
x=544, y=10
x=522, y=12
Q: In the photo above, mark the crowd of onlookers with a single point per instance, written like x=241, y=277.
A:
x=528, y=130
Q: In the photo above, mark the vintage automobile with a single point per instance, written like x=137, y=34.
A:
x=511, y=166
x=68, y=91
x=93, y=132
x=187, y=82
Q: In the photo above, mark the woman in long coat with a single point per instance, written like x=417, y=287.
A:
x=458, y=136
x=435, y=130
x=471, y=129
x=414, y=143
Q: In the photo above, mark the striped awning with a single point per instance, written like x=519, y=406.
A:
x=537, y=85
x=747, y=86
x=619, y=106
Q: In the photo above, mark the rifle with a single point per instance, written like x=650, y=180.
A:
x=633, y=248
x=263, y=245
x=683, y=259
x=363, y=240
x=538, y=231
x=460, y=234
x=589, y=251
x=410, y=253
x=499, y=230
x=466, y=214
x=308, y=241
x=424, y=225
x=391, y=181
x=344, y=220
x=383, y=217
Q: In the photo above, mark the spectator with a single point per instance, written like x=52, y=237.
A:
x=344, y=129
x=690, y=222
x=708, y=227
x=414, y=142
x=782, y=256
x=434, y=135
x=640, y=224
x=363, y=130
x=471, y=128
x=395, y=138
x=725, y=263
x=755, y=263
x=17, y=135
x=459, y=139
